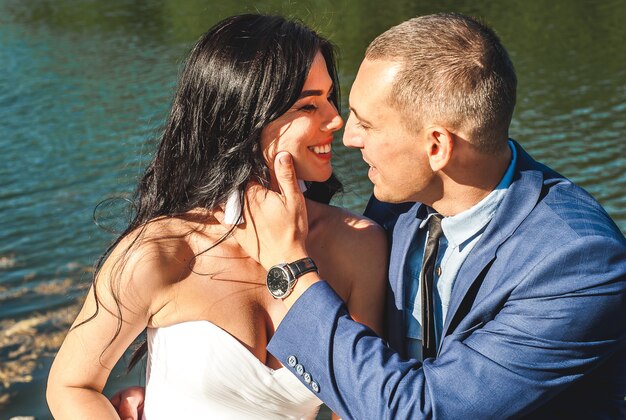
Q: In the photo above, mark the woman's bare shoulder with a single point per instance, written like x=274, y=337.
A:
x=356, y=248
x=354, y=236
x=153, y=255
x=357, y=227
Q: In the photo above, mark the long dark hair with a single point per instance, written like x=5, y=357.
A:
x=244, y=73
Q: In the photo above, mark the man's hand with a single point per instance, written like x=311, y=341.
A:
x=275, y=224
x=129, y=402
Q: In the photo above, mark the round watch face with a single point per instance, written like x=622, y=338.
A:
x=277, y=281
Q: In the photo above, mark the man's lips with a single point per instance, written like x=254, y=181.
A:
x=372, y=171
x=367, y=161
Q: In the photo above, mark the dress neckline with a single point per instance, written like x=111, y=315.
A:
x=229, y=336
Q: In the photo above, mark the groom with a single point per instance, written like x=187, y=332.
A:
x=507, y=283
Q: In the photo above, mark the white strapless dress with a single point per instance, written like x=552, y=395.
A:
x=198, y=370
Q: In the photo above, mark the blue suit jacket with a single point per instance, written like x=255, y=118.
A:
x=536, y=324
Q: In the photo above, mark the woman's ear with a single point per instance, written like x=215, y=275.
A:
x=440, y=146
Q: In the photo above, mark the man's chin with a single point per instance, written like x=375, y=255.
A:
x=384, y=196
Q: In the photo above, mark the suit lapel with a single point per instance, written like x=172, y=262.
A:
x=520, y=199
x=403, y=233
x=400, y=223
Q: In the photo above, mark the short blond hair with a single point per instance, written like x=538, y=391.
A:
x=455, y=72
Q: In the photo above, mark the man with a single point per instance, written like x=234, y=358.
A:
x=529, y=313
x=507, y=283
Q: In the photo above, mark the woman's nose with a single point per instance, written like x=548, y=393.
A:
x=334, y=123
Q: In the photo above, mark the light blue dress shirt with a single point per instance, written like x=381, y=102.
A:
x=461, y=232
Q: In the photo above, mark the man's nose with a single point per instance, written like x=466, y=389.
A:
x=350, y=137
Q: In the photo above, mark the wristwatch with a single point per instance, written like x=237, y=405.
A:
x=282, y=278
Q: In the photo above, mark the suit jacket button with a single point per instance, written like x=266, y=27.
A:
x=315, y=387
x=299, y=369
x=307, y=377
x=292, y=361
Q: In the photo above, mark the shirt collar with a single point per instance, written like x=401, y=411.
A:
x=462, y=227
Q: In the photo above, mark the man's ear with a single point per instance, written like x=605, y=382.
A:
x=440, y=147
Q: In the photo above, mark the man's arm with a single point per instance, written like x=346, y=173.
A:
x=546, y=336
x=539, y=341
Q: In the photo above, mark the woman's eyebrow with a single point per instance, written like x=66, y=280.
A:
x=305, y=93
x=313, y=92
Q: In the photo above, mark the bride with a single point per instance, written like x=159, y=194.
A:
x=252, y=86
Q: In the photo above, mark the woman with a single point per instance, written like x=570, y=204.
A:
x=252, y=86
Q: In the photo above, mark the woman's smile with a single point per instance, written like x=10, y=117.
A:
x=322, y=151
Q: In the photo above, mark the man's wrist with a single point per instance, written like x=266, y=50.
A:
x=304, y=282
x=283, y=277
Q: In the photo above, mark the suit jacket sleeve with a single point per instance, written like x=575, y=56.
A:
x=562, y=319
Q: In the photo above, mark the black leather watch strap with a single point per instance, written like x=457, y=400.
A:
x=301, y=267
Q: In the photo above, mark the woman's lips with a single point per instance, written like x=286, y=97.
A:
x=321, y=149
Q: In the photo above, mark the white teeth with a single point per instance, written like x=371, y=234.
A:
x=326, y=148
